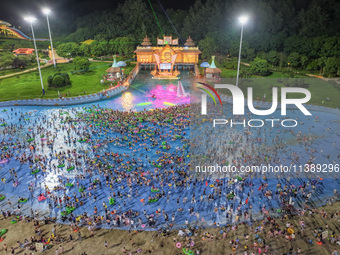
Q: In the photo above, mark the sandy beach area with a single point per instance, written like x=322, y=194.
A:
x=206, y=241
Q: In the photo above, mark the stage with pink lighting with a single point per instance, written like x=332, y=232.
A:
x=147, y=93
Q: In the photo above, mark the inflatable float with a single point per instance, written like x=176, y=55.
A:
x=4, y=161
x=153, y=200
x=22, y=200
x=187, y=251
x=111, y=201
x=3, y=231
x=41, y=198
x=70, y=168
x=35, y=171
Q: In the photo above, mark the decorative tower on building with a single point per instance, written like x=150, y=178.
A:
x=189, y=42
x=212, y=71
x=146, y=42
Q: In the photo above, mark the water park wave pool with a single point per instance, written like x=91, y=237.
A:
x=89, y=136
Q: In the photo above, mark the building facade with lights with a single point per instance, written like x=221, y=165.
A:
x=167, y=55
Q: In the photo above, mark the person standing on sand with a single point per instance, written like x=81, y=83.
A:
x=105, y=244
x=61, y=250
x=5, y=248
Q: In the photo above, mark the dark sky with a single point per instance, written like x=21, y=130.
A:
x=14, y=10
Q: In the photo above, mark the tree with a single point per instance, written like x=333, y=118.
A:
x=81, y=63
x=85, y=50
x=247, y=52
x=231, y=64
x=313, y=20
x=294, y=59
x=332, y=65
x=68, y=49
x=202, y=19
x=304, y=61
x=312, y=65
x=260, y=67
x=321, y=64
x=99, y=48
x=262, y=55
x=58, y=81
x=282, y=58
x=6, y=59
x=127, y=46
x=208, y=47
x=272, y=57
x=66, y=78
x=20, y=62
x=331, y=47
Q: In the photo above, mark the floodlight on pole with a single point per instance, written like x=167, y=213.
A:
x=47, y=11
x=31, y=20
x=243, y=20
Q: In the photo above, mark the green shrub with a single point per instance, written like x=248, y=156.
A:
x=49, y=80
x=58, y=81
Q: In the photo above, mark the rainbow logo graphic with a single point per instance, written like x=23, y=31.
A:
x=207, y=88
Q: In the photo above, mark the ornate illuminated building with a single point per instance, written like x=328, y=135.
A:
x=167, y=56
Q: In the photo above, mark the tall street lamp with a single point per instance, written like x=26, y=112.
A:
x=243, y=19
x=47, y=11
x=31, y=19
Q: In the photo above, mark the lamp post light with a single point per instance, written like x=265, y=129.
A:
x=31, y=20
x=47, y=11
x=243, y=19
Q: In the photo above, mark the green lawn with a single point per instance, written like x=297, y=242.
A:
x=10, y=71
x=128, y=69
x=28, y=85
x=228, y=73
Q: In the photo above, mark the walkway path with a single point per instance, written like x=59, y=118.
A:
x=26, y=71
x=58, y=59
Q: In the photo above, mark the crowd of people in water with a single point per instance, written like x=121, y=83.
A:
x=94, y=166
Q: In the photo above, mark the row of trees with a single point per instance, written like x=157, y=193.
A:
x=326, y=65
x=119, y=45
x=9, y=60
